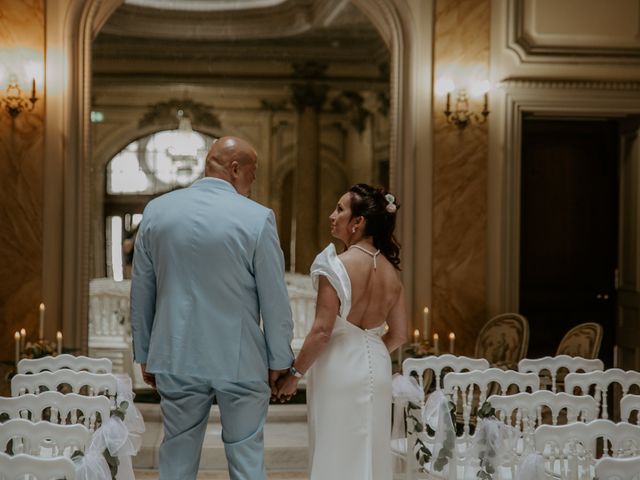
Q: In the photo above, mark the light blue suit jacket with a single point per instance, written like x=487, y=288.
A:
x=207, y=264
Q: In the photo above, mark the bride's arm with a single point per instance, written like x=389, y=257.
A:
x=327, y=308
x=396, y=336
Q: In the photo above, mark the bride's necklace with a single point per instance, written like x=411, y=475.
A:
x=374, y=255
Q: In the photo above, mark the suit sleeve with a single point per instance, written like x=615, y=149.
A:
x=273, y=296
x=143, y=296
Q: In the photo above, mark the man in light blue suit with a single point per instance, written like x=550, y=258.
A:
x=207, y=266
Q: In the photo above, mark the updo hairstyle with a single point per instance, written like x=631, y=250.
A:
x=378, y=207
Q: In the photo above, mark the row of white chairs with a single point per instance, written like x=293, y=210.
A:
x=470, y=382
x=42, y=449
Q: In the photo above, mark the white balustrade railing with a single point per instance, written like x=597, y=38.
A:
x=110, y=326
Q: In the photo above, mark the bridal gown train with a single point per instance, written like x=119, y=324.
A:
x=349, y=393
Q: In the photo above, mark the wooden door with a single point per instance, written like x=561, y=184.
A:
x=628, y=324
x=569, y=229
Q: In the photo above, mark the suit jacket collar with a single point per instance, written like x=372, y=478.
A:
x=212, y=182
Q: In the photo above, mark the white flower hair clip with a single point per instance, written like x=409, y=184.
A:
x=391, y=203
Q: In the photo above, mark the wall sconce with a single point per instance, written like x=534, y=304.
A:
x=461, y=116
x=15, y=100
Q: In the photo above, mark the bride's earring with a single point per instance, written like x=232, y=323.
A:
x=353, y=229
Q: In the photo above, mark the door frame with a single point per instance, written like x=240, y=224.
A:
x=514, y=98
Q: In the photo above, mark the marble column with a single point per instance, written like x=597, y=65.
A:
x=308, y=99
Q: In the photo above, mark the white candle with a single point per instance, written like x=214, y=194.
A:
x=436, y=338
x=452, y=340
x=41, y=330
x=416, y=336
x=59, y=339
x=425, y=323
x=16, y=337
x=23, y=338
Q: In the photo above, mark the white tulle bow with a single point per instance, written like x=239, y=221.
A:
x=494, y=442
x=406, y=388
x=133, y=418
x=92, y=466
x=531, y=467
x=437, y=415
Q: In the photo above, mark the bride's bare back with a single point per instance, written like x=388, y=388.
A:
x=375, y=293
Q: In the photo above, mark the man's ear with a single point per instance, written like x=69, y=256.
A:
x=234, y=168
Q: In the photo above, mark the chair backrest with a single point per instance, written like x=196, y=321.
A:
x=96, y=383
x=440, y=365
x=503, y=340
x=628, y=405
x=17, y=466
x=561, y=362
x=618, y=468
x=59, y=362
x=572, y=449
x=525, y=410
x=58, y=408
x=471, y=389
x=601, y=380
x=582, y=341
x=36, y=438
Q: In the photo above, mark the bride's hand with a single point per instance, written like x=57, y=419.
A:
x=287, y=387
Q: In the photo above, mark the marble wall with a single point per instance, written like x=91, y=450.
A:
x=461, y=53
x=21, y=177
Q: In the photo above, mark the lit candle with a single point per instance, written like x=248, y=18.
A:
x=416, y=336
x=59, y=338
x=41, y=329
x=452, y=340
x=23, y=338
x=435, y=343
x=425, y=323
x=16, y=337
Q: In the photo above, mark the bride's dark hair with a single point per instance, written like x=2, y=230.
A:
x=380, y=214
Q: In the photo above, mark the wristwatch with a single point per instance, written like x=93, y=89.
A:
x=293, y=371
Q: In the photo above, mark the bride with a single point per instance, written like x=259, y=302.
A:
x=346, y=352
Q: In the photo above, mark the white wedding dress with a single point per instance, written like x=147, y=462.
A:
x=349, y=393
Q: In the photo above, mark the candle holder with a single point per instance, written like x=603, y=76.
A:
x=39, y=349
x=420, y=349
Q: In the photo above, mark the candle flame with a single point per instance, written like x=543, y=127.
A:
x=416, y=333
x=452, y=336
x=42, y=307
x=435, y=336
x=23, y=332
x=426, y=310
x=16, y=335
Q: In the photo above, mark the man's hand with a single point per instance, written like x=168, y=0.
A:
x=274, y=375
x=149, y=378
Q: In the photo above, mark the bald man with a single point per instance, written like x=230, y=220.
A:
x=207, y=266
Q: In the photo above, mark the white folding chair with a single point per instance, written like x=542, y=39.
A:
x=441, y=365
x=430, y=367
x=560, y=363
x=58, y=408
x=629, y=404
x=618, y=468
x=96, y=383
x=64, y=361
x=43, y=438
x=601, y=380
x=471, y=389
x=570, y=450
x=23, y=467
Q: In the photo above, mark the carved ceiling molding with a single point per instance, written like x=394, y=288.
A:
x=284, y=19
x=522, y=42
x=571, y=84
x=166, y=113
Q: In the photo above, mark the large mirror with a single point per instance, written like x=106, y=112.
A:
x=305, y=81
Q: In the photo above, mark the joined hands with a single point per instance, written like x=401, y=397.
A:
x=283, y=385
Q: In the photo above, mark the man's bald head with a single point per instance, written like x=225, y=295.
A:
x=234, y=160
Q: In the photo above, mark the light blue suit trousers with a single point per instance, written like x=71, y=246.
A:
x=185, y=404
